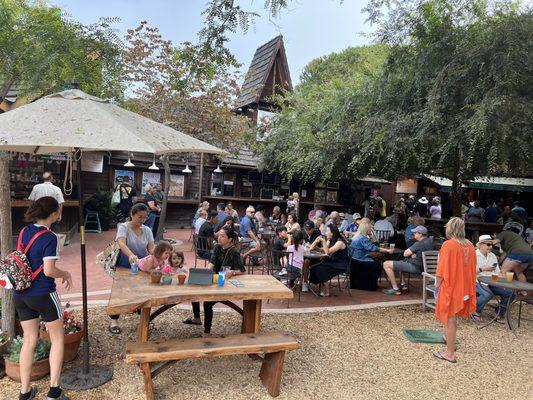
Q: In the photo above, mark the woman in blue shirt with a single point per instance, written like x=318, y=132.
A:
x=365, y=270
x=41, y=298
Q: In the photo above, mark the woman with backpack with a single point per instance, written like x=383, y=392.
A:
x=41, y=299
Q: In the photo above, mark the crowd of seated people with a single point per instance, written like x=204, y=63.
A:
x=351, y=239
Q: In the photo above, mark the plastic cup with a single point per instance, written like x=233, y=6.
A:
x=509, y=276
x=494, y=276
x=215, y=279
x=181, y=279
x=134, y=268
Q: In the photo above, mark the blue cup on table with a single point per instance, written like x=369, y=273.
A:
x=221, y=277
x=134, y=268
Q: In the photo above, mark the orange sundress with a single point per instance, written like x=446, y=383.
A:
x=457, y=291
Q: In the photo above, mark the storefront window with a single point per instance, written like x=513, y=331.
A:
x=223, y=184
x=27, y=170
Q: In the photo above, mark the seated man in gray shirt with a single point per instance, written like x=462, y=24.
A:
x=412, y=263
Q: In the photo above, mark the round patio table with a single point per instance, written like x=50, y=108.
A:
x=515, y=286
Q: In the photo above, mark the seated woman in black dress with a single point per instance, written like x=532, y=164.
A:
x=225, y=254
x=337, y=262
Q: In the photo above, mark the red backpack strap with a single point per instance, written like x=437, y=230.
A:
x=34, y=238
x=36, y=272
x=19, y=241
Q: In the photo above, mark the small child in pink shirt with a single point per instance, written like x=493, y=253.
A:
x=158, y=259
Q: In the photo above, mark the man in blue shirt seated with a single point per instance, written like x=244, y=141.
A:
x=221, y=216
x=248, y=231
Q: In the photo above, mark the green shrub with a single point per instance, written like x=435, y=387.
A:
x=42, y=350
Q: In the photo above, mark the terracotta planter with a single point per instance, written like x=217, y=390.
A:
x=40, y=369
x=155, y=277
x=72, y=344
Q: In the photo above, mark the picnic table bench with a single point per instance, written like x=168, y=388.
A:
x=273, y=345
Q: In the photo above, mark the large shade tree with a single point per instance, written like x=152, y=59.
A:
x=454, y=98
x=41, y=51
x=183, y=86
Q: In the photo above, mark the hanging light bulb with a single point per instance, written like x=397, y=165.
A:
x=153, y=166
x=187, y=170
x=129, y=163
x=218, y=170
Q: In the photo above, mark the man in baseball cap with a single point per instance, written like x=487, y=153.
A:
x=412, y=263
x=310, y=231
x=352, y=228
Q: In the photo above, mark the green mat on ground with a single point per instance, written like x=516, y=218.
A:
x=423, y=336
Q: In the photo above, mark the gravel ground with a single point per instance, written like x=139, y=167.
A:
x=350, y=355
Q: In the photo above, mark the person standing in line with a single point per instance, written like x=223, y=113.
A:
x=47, y=188
x=128, y=195
x=159, y=195
x=520, y=211
x=455, y=285
x=40, y=300
x=421, y=207
x=435, y=211
x=153, y=217
x=491, y=212
x=475, y=213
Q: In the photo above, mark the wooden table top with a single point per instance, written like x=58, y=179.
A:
x=504, y=283
x=130, y=292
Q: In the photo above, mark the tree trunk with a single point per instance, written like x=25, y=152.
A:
x=6, y=240
x=456, y=189
x=163, y=215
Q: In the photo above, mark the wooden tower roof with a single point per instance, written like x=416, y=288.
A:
x=268, y=72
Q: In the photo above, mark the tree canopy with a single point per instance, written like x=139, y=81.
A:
x=41, y=51
x=454, y=97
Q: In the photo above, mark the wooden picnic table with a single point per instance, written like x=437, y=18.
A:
x=132, y=292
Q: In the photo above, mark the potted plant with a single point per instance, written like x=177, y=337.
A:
x=41, y=365
x=155, y=275
x=73, y=335
x=100, y=202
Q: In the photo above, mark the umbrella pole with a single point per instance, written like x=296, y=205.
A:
x=87, y=376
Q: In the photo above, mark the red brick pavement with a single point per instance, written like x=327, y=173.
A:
x=99, y=283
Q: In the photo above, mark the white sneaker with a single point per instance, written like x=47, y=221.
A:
x=283, y=272
x=305, y=288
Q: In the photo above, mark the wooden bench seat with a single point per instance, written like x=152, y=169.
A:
x=272, y=345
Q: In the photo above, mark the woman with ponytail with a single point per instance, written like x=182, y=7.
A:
x=41, y=299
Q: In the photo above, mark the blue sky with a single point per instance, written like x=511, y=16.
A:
x=310, y=28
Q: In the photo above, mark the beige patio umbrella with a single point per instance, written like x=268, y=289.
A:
x=72, y=121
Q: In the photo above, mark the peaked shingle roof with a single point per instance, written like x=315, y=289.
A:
x=259, y=71
x=244, y=158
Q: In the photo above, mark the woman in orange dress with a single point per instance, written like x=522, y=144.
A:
x=456, y=282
